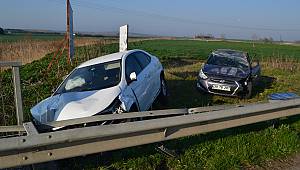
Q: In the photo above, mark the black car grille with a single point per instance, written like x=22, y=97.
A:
x=222, y=81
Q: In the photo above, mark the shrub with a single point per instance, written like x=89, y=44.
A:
x=1, y=31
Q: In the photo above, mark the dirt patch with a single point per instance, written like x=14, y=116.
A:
x=290, y=163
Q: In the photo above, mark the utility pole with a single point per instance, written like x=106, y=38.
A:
x=68, y=30
x=70, y=36
x=68, y=41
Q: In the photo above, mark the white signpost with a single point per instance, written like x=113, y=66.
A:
x=123, y=45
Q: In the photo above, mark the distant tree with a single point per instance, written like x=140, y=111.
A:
x=267, y=40
x=223, y=36
x=271, y=40
x=254, y=37
x=204, y=36
x=281, y=40
x=1, y=31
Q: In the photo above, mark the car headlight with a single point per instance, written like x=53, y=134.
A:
x=202, y=75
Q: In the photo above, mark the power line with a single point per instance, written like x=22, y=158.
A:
x=138, y=13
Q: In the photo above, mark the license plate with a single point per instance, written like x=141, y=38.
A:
x=220, y=87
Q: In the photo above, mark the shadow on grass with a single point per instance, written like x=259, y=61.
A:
x=184, y=94
x=262, y=83
x=186, y=74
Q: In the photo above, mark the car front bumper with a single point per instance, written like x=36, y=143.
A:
x=233, y=88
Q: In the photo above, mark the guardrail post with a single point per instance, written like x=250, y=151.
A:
x=17, y=87
x=18, y=96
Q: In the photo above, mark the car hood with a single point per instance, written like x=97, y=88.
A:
x=233, y=72
x=73, y=105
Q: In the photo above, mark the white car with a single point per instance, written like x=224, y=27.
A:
x=120, y=82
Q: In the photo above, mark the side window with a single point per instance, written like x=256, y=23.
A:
x=131, y=65
x=142, y=58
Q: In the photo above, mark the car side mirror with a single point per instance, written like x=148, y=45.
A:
x=254, y=76
x=132, y=77
x=53, y=90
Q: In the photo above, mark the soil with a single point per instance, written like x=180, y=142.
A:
x=290, y=163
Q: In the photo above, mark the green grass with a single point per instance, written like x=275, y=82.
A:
x=15, y=37
x=25, y=36
x=227, y=149
x=201, y=49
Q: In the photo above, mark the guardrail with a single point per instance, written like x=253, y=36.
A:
x=39, y=147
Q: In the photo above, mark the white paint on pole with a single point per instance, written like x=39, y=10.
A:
x=123, y=45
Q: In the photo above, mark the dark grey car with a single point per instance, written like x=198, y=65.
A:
x=228, y=72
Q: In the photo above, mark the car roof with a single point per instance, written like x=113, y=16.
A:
x=106, y=58
x=230, y=53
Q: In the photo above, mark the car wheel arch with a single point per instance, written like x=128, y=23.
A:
x=133, y=108
x=128, y=101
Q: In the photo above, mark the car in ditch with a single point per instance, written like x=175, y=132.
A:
x=115, y=83
x=228, y=72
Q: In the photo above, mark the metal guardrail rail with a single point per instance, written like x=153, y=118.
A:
x=146, y=114
x=41, y=147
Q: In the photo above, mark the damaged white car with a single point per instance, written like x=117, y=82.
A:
x=120, y=82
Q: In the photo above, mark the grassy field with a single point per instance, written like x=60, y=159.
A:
x=8, y=38
x=234, y=148
x=200, y=49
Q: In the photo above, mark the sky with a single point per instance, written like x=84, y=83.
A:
x=237, y=19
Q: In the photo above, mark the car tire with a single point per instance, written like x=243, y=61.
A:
x=248, y=94
x=133, y=108
x=201, y=91
x=163, y=94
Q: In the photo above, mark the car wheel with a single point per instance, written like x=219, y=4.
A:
x=202, y=92
x=133, y=108
x=249, y=91
x=163, y=91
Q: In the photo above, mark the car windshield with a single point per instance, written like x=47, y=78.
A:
x=228, y=61
x=94, y=77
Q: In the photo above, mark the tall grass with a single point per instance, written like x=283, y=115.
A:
x=28, y=50
x=285, y=63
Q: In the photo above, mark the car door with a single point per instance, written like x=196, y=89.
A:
x=148, y=73
x=140, y=85
x=255, y=68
